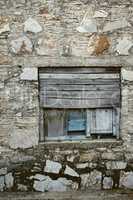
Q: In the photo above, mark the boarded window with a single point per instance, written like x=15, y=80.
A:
x=79, y=101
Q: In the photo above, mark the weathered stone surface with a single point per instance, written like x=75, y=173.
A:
x=5, y=28
x=2, y=183
x=22, y=188
x=21, y=45
x=88, y=157
x=69, y=171
x=98, y=44
x=127, y=180
x=31, y=25
x=123, y=46
x=4, y=59
x=42, y=186
x=20, y=138
x=116, y=165
x=114, y=25
x=3, y=171
x=127, y=75
x=107, y=183
x=29, y=74
x=9, y=180
x=52, y=167
x=108, y=156
x=100, y=14
x=88, y=24
x=56, y=186
x=40, y=177
x=90, y=179
x=82, y=165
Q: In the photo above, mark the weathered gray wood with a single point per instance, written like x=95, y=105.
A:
x=72, y=87
x=79, y=70
x=79, y=76
x=80, y=81
x=116, y=122
x=103, y=121
x=41, y=125
x=73, y=103
x=54, y=120
x=80, y=94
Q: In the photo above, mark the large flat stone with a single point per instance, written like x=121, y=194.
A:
x=52, y=167
x=107, y=183
x=29, y=74
x=21, y=45
x=2, y=183
x=116, y=165
x=69, y=171
x=114, y=25
x=31, y=25
x=123, y=46
x=9, y=180
x=126, y=180
x=127, y=75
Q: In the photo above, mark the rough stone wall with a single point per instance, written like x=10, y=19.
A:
x=40, y=33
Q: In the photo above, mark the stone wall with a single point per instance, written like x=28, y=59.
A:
x=40, y=33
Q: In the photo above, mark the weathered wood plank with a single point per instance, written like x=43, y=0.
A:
x=81, y=94
x=71, y=87
x=79, y=81
x=79, y=76
x=79, y=70
x=78, y=103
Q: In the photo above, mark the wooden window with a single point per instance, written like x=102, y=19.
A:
x=79, y=102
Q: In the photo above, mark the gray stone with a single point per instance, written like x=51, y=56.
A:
x=107, y=183
x=127, y=75
x=100, y=14
x=31, y=25
x=52, y=167
x=23, y=138
x=30, y=74
x=90, y=179
x=118, y=24
x=82, y=165
x=69, y=171
x=127, y=180
x=5, y=28
x=123, y=46
x=3, y=171
x=40, y=177
x=57, y=186
x=116, y=165
x=42, y=186
x=88, y=26
x=22, y=188
x=21, y=45
x=9, y=180
x=2, y=183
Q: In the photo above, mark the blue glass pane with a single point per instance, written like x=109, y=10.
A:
x=76, y=121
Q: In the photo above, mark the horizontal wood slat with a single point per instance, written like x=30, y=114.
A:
x=78, y=103
x=79, y=76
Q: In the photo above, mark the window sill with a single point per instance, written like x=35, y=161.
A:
x=83, y=144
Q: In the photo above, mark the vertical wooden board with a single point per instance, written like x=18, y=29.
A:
x=41, y=126
x=104, y=121
x=88, y=122
x=55, y=122
x=116, y=122
x=76, y=120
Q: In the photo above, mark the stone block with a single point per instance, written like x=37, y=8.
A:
x=2, y=183
x=22, y=188
x=3, y=171
x=117, y=24
x=123, y=46
x=52, y=167
x=31, y=25
x=91, y=179
x=126, y=180
x=21, y=45
x=42, y=186
x=9, y=180
x=69, y=171
x=127, y=75
x=116, y=165
x=107, y=183
x=29, y=74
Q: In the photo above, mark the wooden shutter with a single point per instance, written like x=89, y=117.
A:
x=79, y=88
